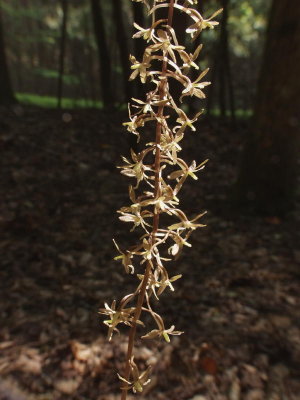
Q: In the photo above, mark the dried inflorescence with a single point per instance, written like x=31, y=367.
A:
x=159, y=174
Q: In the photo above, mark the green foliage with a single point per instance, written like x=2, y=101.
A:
x=247, y=22
x=53, y=74
x=51, y=101
x=239, y=113
x=32, y=33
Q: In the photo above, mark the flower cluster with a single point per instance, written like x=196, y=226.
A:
x=158, y=173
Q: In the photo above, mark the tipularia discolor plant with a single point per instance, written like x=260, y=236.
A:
x=158, y=174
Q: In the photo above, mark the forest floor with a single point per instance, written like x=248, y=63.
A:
x=238, y=301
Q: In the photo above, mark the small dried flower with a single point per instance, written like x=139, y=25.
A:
x=126, y=259
x=161, y=332
x=195, y=88
x=157, y=333
x=139, y=381
x=116, y=317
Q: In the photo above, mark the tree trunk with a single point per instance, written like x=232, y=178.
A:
x=90, y=60
x=64, y=6
x=221, y=73
x=138, y=17
x=226, y=68
x=103, y=52
x=268, y=174
x=6, y=93
x=123, y=48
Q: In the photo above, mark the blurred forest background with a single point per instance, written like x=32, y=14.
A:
x=75, y=54
x=41, y=36
x=64, y=90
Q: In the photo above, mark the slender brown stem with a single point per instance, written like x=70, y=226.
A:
x=160, y=113
x=141, y=296
x=132, y=331
x=64, y=5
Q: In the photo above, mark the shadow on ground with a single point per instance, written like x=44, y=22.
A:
x=238, y=301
